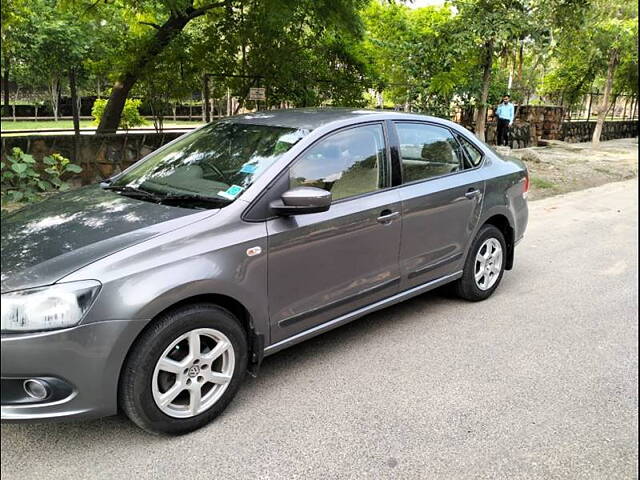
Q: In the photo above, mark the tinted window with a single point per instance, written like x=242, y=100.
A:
x=347, y=163
x=473, y=154
x=427, y=151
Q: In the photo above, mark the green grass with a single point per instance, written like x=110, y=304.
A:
x=42, y=125
x=541, y=183
x=50, y=124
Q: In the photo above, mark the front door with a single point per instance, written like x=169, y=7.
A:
x=441, y=197
x=324, y=265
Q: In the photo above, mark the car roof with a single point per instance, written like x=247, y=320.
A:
x=312, y=118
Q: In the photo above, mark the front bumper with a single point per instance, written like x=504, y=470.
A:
x=85, y=359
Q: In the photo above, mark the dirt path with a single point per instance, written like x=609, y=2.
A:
x=565, y=167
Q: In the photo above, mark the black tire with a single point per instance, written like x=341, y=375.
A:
x=466, y=286
x=135, y=389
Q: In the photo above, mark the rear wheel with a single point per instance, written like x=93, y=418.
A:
x=485, y=264
x=184, y=370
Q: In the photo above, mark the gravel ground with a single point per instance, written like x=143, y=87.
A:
x=563, y=167
x=539, y=381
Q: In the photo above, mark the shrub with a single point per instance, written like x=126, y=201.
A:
x=130, y=115
x=22, y=182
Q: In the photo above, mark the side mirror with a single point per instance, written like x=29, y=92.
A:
x=301, y=200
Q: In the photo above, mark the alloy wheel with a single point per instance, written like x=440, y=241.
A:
x=488, y=264
x=193, y=372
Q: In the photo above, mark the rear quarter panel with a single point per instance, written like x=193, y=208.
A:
x=504, y=193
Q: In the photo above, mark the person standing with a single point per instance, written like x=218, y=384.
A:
x=505, y=113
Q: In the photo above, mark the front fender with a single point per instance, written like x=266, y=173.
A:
x=207, y=258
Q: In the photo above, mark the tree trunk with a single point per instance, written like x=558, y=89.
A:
x=520, y=62
x=602, y=112
x=146, y=54
x=74, y=101
x=613, y=106
x=206, y=114
x=590, y=105
x=76, y=115
x=5, y=84
x=486, y=83
x=54, y=91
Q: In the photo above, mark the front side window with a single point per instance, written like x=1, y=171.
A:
x=347, y=163
x=427, y=151
x=215, y=163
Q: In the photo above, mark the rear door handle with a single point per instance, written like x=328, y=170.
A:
x=387, y=216
x=472, y=193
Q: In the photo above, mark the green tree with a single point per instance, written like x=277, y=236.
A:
x=46, y=45
x=166, y=20
x=493, y=25
x=498, y=27
x=420, y=55
x=616, y=27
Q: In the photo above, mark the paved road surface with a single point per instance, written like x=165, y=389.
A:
x=540, y=381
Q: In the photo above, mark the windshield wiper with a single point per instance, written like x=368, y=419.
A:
x=192, y=198
x=166, y=198
x=131, y=191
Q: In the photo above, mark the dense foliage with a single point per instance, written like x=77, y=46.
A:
x=464, y=53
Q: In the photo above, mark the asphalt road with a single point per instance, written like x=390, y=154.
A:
x=540, y=381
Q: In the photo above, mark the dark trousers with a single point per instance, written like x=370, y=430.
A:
x=503, y=132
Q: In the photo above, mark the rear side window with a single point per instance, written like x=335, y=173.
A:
x=347, y=163
x=427, y=151
x=473, y=154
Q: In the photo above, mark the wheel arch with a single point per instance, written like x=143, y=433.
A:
x=255, y=340
x=502, y=223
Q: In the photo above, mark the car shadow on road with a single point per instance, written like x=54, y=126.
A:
x=118, y=429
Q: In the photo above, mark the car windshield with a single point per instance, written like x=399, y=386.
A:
x=213, y=165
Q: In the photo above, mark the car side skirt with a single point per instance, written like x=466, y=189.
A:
x=379, y=305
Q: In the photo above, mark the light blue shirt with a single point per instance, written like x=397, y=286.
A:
x=505, y=111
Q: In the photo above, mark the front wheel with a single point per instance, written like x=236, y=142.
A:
x=184, y=370
x=484, y=266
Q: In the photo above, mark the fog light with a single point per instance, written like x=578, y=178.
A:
x=36, y=389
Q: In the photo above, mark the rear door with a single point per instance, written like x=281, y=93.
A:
x=324, y=265
x=441, y=194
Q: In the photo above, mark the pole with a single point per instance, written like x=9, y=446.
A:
x=590, y=103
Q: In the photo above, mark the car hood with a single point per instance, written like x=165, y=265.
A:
x=44, y=242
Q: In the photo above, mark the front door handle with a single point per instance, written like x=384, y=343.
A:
x=387, y=216
x=472, y=193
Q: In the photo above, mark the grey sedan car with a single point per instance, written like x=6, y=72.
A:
x=155, y=292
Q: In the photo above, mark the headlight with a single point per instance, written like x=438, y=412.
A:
x=58, y=306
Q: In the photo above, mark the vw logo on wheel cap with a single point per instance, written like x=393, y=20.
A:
x=194, y=370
